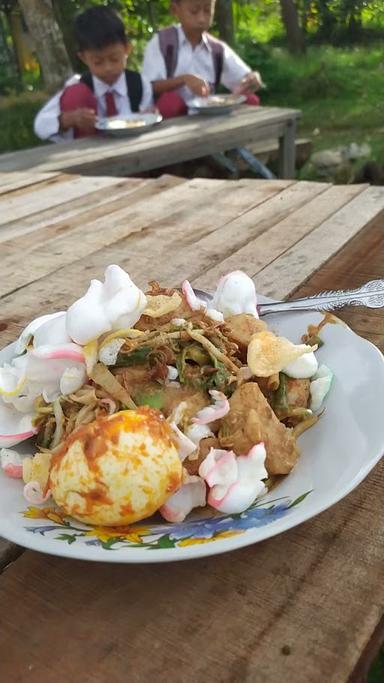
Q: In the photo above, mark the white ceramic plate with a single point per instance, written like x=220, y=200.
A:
x=216, y=104
x=134, y=124
x=336, y=455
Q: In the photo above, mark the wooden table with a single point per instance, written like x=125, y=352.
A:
x=176, y=140
x=298, y=608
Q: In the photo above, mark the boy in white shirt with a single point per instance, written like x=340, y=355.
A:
x=107, y=89
x=185, y=60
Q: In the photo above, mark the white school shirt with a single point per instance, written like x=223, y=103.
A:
x=46, y=124
x=197, y=61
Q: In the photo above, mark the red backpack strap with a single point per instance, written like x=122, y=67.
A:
x=217, y=48
x=169, y=47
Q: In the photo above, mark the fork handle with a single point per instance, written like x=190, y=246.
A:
x=371, y=295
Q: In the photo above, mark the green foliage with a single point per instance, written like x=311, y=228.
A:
x=258, y=20
x=338, y=92
x=335, y=87
x=376, y=675
x=16, y=121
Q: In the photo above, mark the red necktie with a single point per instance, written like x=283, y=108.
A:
x=110, y=104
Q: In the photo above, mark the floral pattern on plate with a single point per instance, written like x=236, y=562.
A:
x=159, y=536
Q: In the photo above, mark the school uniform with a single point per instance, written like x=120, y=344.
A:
x=199, y=61
x=105, y=99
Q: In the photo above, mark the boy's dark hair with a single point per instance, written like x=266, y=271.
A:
x=99, y=27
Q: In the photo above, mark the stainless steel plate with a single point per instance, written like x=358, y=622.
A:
x=122, y=126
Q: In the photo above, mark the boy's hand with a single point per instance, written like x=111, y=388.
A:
x=84, y=119
x=198, y=85
x=251, y=81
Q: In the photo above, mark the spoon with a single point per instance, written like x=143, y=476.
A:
x=371, y=295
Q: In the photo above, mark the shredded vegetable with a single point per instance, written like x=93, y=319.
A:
x=178, y=357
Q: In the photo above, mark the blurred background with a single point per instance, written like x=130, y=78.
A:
x=324, y=57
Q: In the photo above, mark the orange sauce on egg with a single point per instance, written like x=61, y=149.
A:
x=95, y=497
x=173, y=482
x=97, y=436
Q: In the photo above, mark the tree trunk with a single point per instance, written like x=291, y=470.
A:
x=328, y=20
x=224, y=17
x=48, y=41
x=7, y=53
x=23, y=52
x=66, y=28
x=304, y=9
x=293, y=32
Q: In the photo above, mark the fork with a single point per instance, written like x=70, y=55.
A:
x=371, y=295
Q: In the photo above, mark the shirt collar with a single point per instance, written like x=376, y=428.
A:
x=184, y=40
x=119, y=86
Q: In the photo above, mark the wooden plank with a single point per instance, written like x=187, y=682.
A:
x=361, y=260
x=286, y=273
x=362, y=670
x=9, y=552
x=10, y=330
x=191, y=136
x=232, y=237
x=179, y=148
x=259, y=602
x=267, y=150
x=13, y=207
x=285, y=228
x=202, y=241
x=134, y=235
x=32, y=230
x=287, y=151
x=9, y=182
x=94, y=234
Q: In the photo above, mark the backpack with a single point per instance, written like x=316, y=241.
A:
x=134, y=87
x=169, y=47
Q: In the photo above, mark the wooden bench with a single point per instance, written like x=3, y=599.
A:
x=267, y=151
x=173, y=141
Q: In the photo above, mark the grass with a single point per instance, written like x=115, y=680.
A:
x=338, y=91
x=17, y=113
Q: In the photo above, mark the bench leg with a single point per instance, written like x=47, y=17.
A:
x=287, y=151
x=226, y=163
x=254, y=164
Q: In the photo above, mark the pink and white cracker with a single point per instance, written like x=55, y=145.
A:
x=219, y=409
x=192, y=494
x=11, y=463
x=114, y=304
x=249, y=484
x=235, y=294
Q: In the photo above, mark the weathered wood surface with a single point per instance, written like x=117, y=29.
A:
x=9, y=182
x=176, y=140
x=297, y=608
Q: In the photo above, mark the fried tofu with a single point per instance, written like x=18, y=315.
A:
x=241, y=329
x=192, y=463
x=297, y=391
x=251, y=420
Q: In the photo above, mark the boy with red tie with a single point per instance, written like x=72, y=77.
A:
x=185, y=61
x=106, y=89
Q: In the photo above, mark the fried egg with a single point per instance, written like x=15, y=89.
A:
x=117, y=470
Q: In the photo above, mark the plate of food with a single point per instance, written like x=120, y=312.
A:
x=216, y=104
x=134, y=124
x=135, y=422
